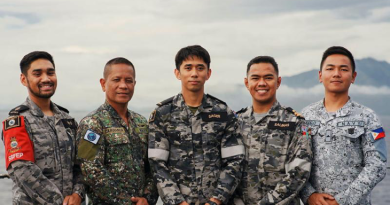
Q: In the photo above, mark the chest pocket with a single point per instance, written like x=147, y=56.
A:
x=118, y=148
x=276, y=145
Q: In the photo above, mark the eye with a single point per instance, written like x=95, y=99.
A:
x=200, y=68
x=129, y=81
x=116, y=80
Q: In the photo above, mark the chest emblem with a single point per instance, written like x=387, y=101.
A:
x=279, y=125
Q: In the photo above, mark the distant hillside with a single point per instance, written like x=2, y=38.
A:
x=370, y=72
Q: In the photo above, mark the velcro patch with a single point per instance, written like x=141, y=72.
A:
x=378, y=133
x=69, y=123
x=92, y=137
x=18, y=145
x=214, y=116
x=11, y=122
x=350, y=123
x=312, y=123
x=279, y=125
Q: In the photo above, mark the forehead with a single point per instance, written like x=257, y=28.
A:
x=262, y=69
x=193, y=60
x=122, y=70
x=337, y=59
x=42, y=64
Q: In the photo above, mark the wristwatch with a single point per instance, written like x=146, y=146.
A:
x=211, y=202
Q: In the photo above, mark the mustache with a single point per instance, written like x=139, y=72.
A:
x=43, y=84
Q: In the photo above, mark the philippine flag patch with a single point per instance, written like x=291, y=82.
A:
x=378, y=133
x=92, y=137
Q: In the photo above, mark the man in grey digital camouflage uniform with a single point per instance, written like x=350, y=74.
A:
x=278, y=150
x=112, y=144
x=348, y=139
x=39, y=139
x=194, y=150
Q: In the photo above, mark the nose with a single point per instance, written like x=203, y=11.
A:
x=336, y=73
x=194, y=73
x=122, y=84
x=45, y=78
x=261, y=82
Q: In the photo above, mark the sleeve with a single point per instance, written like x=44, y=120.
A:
x=233, y=154
x=78, y=186
x=91, y=154
x=150, y=192
x=158, y=154
x=297, y=168
x=374, y=150
x=306, y=192
x=29, y=178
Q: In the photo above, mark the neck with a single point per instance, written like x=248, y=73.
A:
x=193, y=99
x=262, y=107
x=43, y=104
x=121, y=109
x=335, y=101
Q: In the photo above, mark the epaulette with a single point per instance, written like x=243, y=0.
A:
x=242, y=110
x=210, y=96
x=18, y=110
x=295, y=113
x=62, y=108
x=165, y=101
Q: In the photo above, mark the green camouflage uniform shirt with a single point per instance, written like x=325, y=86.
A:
x=113, y=157
x=54, y=175
x=277, y=159
x=195, y=156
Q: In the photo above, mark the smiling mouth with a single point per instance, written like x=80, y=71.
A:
x=261, y=91
x=46, y=86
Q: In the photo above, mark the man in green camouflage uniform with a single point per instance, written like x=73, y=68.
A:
x=39, y=139
x=278, y=153
x=112, y=144
x=193, y=147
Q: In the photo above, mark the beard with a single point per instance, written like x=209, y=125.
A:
x=39, y=94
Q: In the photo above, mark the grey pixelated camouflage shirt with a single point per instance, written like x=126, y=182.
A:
x=195, y=156
x=54, y=174
x=278, y=157
x=348, y=162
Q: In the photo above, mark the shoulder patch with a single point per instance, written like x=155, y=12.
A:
x=11, y=122
x=295, y=113
x=17, y=143
x=165, y=101
x=152, y=116
x=62, y=108
x=92, y=137
x=212, y=97
x=18, y=110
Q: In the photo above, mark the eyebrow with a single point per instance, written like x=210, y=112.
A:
x=343, y=65
x=196, y=65
x=266, y=75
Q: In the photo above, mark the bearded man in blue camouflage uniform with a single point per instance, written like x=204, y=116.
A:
x=278, y=150
x=39, y=138
x=194, y=150
x=348, y=139
x=112, y=144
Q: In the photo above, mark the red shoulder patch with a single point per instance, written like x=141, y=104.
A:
x=18, y=145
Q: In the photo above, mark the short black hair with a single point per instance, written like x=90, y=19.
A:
x=263, y=59
x=33, y=56
x=114, y=61
x=338, y=50
x=191, y=51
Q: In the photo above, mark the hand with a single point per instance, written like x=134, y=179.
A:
x=214, y=200
x=331, y=202
x=320, y=199
x=139, y=200
x=183, y=203
x=73, y=199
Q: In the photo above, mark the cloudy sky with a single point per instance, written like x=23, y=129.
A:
x=83, y=35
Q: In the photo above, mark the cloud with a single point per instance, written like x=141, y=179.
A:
x=83, y=50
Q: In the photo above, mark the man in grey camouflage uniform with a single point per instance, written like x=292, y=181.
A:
x=194, y=150
x=39, y=139
x=278, y=153
x=112, y=144
x=348, y=139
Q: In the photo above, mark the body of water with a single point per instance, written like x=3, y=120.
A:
x=379, y=196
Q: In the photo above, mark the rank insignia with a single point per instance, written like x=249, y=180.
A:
x=152, y=116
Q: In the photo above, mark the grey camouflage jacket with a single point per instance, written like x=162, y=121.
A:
x=278, y=156
x=348, y=161
x=54, y=175
x=194, y=156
